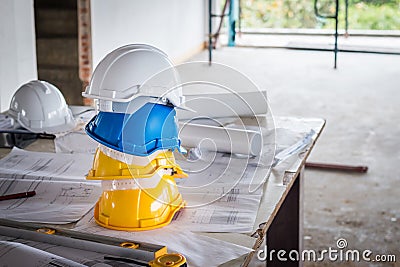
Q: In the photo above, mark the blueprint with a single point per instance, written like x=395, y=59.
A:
x=62, y=193
x=217, y=194
x=17, y=254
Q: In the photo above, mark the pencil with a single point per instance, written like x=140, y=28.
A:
x=18, y=195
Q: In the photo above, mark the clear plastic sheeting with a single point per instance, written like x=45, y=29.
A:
x=77, y=141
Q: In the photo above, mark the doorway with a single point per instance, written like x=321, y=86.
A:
x=56, y=26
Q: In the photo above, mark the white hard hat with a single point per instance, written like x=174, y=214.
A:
x=40, y=107
x=133, y=71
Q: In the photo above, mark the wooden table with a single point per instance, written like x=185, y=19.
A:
x=279, y=220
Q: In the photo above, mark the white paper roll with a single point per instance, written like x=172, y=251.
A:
x=209, y=105
x=221, y=139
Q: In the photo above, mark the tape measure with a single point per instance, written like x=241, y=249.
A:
x=169, y=260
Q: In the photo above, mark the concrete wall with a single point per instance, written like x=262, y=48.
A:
x=175, y=26
x=17, y=47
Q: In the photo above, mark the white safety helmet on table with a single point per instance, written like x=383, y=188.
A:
x=41, y=108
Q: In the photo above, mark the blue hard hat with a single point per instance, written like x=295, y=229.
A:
x=150, y=128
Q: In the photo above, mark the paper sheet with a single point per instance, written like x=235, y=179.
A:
x=198, y=250
x=25, y=164
x=17, y=254
x=62, y=193
x=85, y=257
x=220, y=216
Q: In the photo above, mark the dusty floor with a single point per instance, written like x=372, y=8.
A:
x=360, y=101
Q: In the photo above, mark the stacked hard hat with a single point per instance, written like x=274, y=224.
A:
x=137, y=133
x=40, y=107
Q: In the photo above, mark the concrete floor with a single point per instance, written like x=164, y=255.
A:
x=360, y=101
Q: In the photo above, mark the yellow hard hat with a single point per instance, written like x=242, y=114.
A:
x=133, y=208
x=108, y=168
